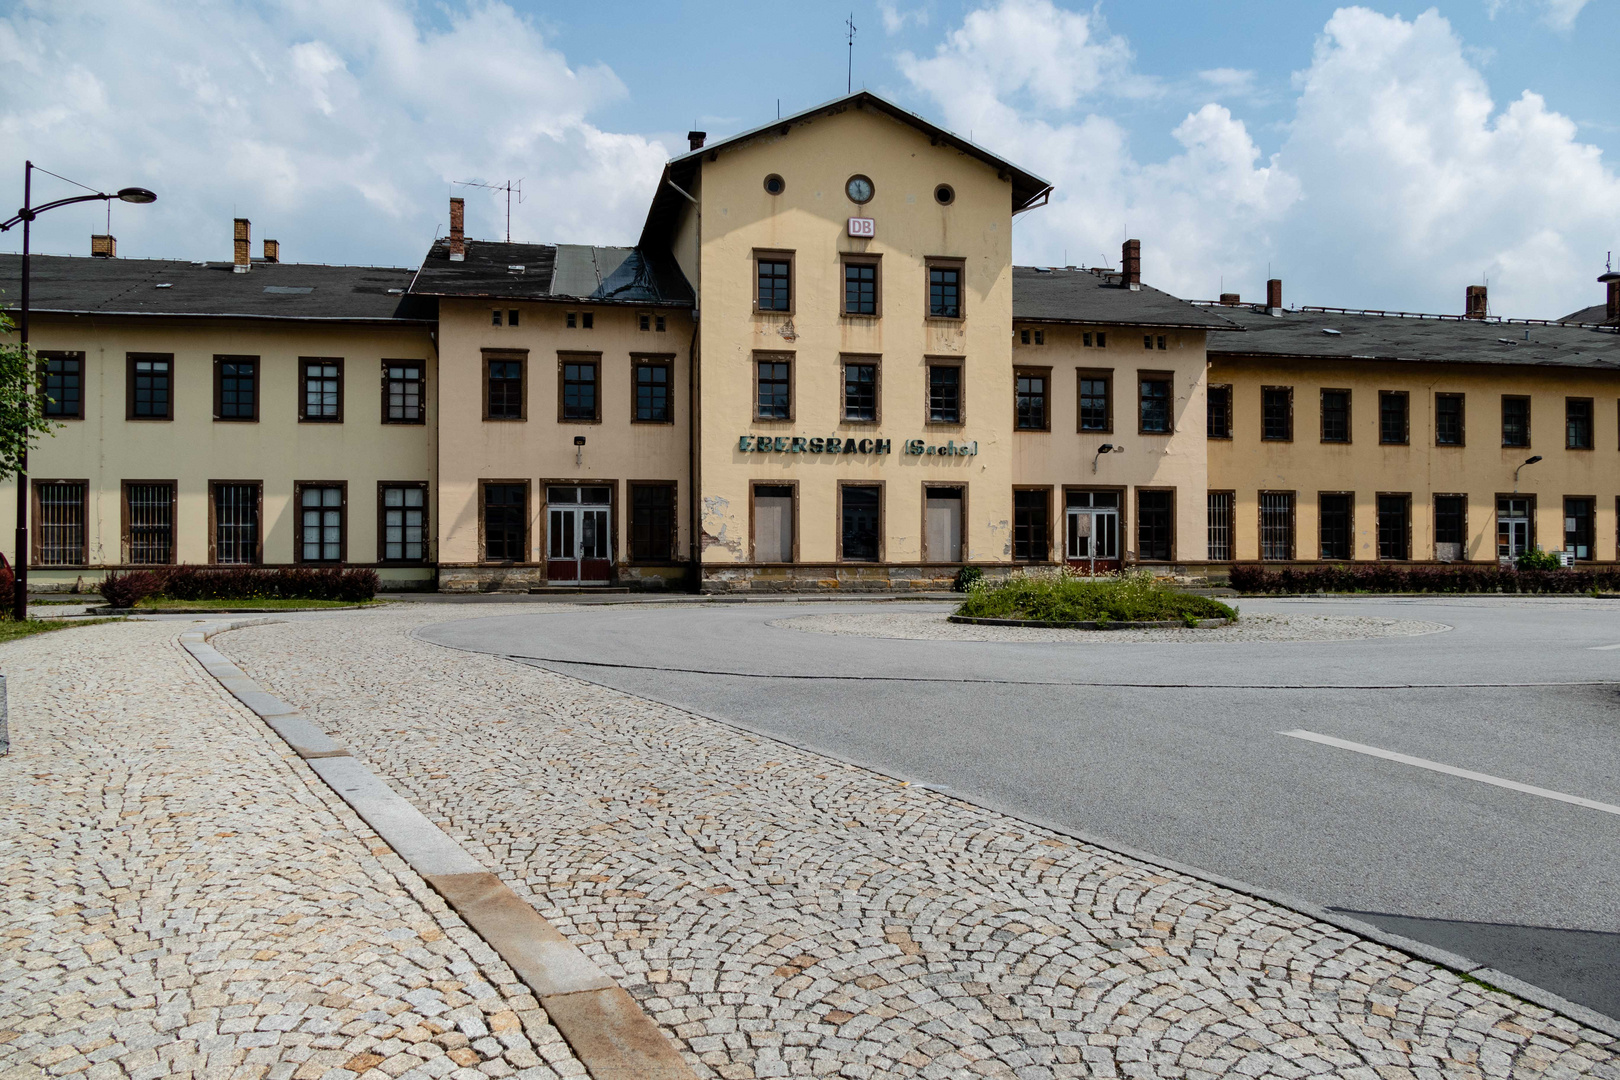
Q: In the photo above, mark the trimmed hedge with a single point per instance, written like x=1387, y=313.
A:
x=1389, y=578
x=239, y=583
x=1062, y=597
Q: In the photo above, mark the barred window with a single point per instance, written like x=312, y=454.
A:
x=236, y=524
x=402, y=390
x=1220, y=526
x=61, y=524
x=149, y=509
x=1277, y=525
x=320, y=523
x=64, y=385
x=404, y=523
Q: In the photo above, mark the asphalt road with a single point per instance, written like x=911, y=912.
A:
x=1175, y=749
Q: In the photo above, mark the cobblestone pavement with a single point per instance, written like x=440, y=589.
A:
x=784, y=915
x=934, y=626
x=184, y=898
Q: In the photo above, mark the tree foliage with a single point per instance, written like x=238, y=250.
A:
x=22, y=404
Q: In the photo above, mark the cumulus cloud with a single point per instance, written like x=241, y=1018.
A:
x=336, y=128
x=895, y=20
x=1560, y=14
x=1399, y=181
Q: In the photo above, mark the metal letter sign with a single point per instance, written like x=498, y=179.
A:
x=863, y=226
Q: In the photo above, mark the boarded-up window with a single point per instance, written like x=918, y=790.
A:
x=773, y=524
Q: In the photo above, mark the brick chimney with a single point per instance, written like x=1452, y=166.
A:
x=694, y=139
x=1475, y=305
x=243, y=258
x=1612, y=311
x=1231, y=299
x=103, y=246
x=272, y=251
x=1130, y=265
x=1274, y=296
x=458, y=230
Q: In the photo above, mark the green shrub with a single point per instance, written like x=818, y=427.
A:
x=1537, y=559
x=1063, y=597
x=966, y=578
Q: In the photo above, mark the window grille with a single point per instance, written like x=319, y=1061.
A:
x=61, y=524
x=151, y=523
x=1220, y=526
x=1277, y=525
x=236, y=524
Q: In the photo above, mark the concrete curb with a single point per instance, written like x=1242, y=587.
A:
x=1099, y=624
x=607, y=1030
x=1462, y=965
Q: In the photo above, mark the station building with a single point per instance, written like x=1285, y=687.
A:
x=816, y=367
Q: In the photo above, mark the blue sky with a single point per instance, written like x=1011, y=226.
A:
x=1384, y=156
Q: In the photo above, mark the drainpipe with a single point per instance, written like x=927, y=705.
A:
x=694, y=488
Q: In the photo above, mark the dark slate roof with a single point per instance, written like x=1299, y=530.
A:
x=175, y=287
x=1596, y=315
x=1096, y=297
x=602, y=275
x=1344, y=335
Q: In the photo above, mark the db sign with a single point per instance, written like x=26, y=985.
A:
x=862, y=226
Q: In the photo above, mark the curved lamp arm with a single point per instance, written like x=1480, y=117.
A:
x=129, y=194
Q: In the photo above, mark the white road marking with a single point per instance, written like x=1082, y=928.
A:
x=1449, y=770
x=1603, y=648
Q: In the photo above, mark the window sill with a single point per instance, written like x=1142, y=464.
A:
x=655, y=423
x=945, y=318
x=150, y=419
x=858, y=316
x=564, y=420
x=315, y=420
x=406, y=423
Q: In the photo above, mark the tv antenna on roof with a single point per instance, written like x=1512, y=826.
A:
x=508, y=187
x=849, y=72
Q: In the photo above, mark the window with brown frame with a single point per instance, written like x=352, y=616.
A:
x=322, y=521
x=320, y=390
x=505, y=386
x=1097, y=402
x=1218, y=409
x=1030, y=388
x=61, y=523
x=1394, y=526
x=861, y=390
x=654, y=389
x=236, y=388
x=945, y=392
x=64, y=384
x=1155, y=525
x=1394, y=418
x=1156, y=400
x=1515, y=420
x=1221, y=525
x=234, y=511
x=1335, y=531
x=149, y=386
x=1578, y=423
x=1580, y=515
x=1276, y=413
x=652, y=522
x=773, y=386
x=403, y=400
x=1448, y=420
x=1032, y=514
x=148, y=519
x=861, y=510
x=773, y=275
x=505, y=514
x=1450, y=528
x=945, y=288
x=402, y=521
x=1277, y=525
x=579, y=392
x=1335, y=416
x=863, y=285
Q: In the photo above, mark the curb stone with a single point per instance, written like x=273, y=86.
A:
x=1098, y=624
x=608, y=1031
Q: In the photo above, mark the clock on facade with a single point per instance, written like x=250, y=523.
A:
x=859, y=189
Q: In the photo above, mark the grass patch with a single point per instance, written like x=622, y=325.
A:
x=11, y=629
x=1063, y=597
x=272, y=604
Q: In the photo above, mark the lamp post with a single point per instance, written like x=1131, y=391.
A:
x=26, y=215
x=1527, y=461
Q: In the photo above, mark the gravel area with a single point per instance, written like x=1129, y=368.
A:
x=933, y=626
x=785, y=915
x=184, y=898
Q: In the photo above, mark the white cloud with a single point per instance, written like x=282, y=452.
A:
x=336, y=128
x=1559, y=14
x=1229, y=80
x=1399, y=181
x=895, y=20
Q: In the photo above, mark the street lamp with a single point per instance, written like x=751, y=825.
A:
x=26, y=215
x=1527, y=461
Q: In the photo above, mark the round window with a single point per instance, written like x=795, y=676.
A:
x=944, y=195
x=859, y=189
x=775, y=184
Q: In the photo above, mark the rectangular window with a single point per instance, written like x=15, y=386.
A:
x=64, y=385
x=1578, y=423
x=1155, y=404
x=402, y=523
x=1220, y=412
x=1031, y=512
x=235, y=509
x=504, y=398
x=773, y=523
x=512, y=317
x=775, y=289
x=862, y=524
x=1335, y=416
x=1394, y=526
x=1096, y=401
x=1277, y=413
x=1030, y=401
x=652, y=522
x=59, y=530
x=495, y=318
x=860, y=287
x=1277, y=525
x=320, y=522
x=1220, y=526
x=321, y=401
x=1448, y=420
x=773, y=389
x=1392, y=418
x=944, y=292
x=1578, y=527
x=151, y=387
x=236, y=388
x=506, y=519
x=402, y=392
x=577, y=398
x=1515, y=420
x=944, y=393
x=645, y=321
x=1155, y=525
x=653, y=402
x=1334, y=526
x=860, y=391
x=1450, y=527
x=149, y=522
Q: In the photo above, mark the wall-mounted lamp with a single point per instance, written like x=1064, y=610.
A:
x=1105, y=448
x=579, y=449
x=1527, y=461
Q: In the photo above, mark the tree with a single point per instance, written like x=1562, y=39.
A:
x=22, y=402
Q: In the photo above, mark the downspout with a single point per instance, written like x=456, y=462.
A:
x=693, y=366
